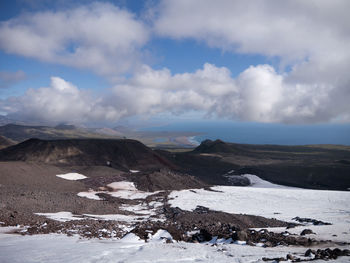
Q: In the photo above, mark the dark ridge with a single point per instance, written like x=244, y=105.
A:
x=306, y=166
x=120, y=153
x=217, y=146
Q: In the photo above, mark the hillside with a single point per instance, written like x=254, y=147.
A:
x=310, y=166
x=4, y=142
x=122, y=154
x=217, y=146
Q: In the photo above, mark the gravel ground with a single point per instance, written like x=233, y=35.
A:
x=28, y=188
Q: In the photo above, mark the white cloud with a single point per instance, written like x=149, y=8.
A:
x=311, y=36
x=258, y=94
x=100, y=37
x=292, y=29
x=60, y=102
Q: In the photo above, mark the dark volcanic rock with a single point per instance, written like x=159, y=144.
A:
x=306, y=232
x=204, y=224
x=217, y=146
x=202, y=217
x=325, y=254
x=320, y=254
x=202, y=236
x=238, y=180
x=240, y=235
x=310, y=220
x=123, y=154
x=164, y=179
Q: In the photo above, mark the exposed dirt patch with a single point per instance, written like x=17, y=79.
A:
x=165, y=179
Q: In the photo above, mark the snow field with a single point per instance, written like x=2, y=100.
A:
x=60, y=248
x=283, y=204
x=272, y=201
x=261, y=198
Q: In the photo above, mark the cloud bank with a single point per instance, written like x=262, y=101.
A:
x=100, y=37
x=258, y=94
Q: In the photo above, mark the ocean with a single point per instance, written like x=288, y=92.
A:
x=261, y=133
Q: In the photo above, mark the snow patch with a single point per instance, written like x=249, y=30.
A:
x=131, y=238
x=123, y=185
x=68, y=216
x=61, y=216
x=116, y=217
x=134, y=171
x=280, y=203
x=257, y=182
x=90, y=195
x=122, y=189
x=161, y=236
x=71, y=176
x=283, y=204
x=132, y=194
x=138, y=209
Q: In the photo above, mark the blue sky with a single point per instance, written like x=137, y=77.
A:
x=109, y=62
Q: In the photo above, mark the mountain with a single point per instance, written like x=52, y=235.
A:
x=121, y=154
x=5, y=142
x=21, y=133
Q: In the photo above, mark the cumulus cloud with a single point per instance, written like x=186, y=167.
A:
x=60, y=102
x=8, y=78
x=258, y=94
x=312, y=37
x=290, y=29
x=100, y=37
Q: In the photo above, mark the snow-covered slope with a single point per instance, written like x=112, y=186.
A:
x=257, y=182
x=59, y=248
x=262, y=198
x=284, y=204
x=273, y=201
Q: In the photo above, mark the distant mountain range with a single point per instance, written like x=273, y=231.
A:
x=21, y=133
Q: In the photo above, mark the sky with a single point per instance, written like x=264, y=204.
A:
x=105, y=62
